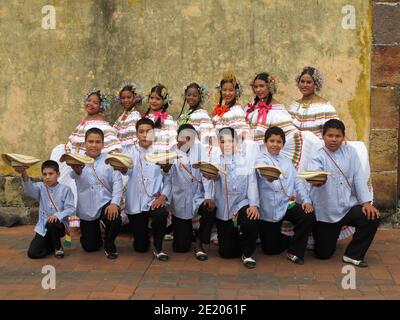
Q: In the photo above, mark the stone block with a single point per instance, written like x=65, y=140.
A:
x=383, y=150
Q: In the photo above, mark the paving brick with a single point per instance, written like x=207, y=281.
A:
x=90, y=276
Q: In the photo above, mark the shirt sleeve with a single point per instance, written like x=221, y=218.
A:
x=300, y=187
x=252, y=191
x=166, y=189
x=117, y=187
x=31, y=189
x=69, y=206
x=209, y=188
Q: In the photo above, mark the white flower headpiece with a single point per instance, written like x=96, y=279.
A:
x=104, y=101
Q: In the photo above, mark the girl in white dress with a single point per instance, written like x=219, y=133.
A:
x=126, y=123
x=165, y=131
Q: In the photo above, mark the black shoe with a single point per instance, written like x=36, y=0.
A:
x=358, y=263
x=201, y=255
x=249, y=263
x=111, y=255
x=295, y=259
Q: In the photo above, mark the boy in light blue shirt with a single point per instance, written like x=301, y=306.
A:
x=56, y=204
x=147, y=193
x=277, y=202
x=235, y=195
x=344, y=199
x=99, y=197
x=187, y=195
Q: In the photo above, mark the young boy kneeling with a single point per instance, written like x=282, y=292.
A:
x=344, y=199
x=236, y=198
x=99, y=196
x=146, y=195
x=56, y=204
x=187, y=195
x=277, y=202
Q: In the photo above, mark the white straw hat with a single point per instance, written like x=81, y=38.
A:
x=19, y=160
x=119, y=160
x=76, y=158
x=269, y=172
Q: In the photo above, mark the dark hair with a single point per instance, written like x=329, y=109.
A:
x=158, y=88
x=186, y=126
x=228, y=131
x=95, y=131
x=51, y=164
x=236, y=85
x=129, y=88
x=314, y=74
x=333, y=124
x=192, y=85
x=144, y=121
x=264, y=77
x=274, y=131
x=96, y=93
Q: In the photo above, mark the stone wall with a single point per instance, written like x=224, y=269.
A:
x=385, y=102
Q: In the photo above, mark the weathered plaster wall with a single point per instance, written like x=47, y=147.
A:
x=101, y=43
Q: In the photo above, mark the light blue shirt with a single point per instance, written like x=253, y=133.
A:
x=274, y=196
x=334, y=199
x=187, y=193
x=92, y=194
x=236, y=189
x=62, y=197
x=146, y=182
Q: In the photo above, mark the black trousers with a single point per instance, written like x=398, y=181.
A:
x=274, y=242
x=183, y=230
x=43, y=246
x=233, y=242
x=91, y=233
x=141, y=234
x=326, y=235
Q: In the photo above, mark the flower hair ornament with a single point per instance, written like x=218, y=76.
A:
x=135, y=88
x=315, y=75
x=164, y=95
x=203, y=91
x=228, y=76
x=104, y=101
x=271, y=83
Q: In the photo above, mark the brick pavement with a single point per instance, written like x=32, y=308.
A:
x=82, y=275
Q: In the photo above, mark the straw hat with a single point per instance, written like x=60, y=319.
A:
x=314, y=176
x=208, y=168
x=76, y=159
x=119, y=160
x=166, y=157
x=269, y=172
x=19, y=160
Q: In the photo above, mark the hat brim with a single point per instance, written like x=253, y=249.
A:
x=18, y=160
